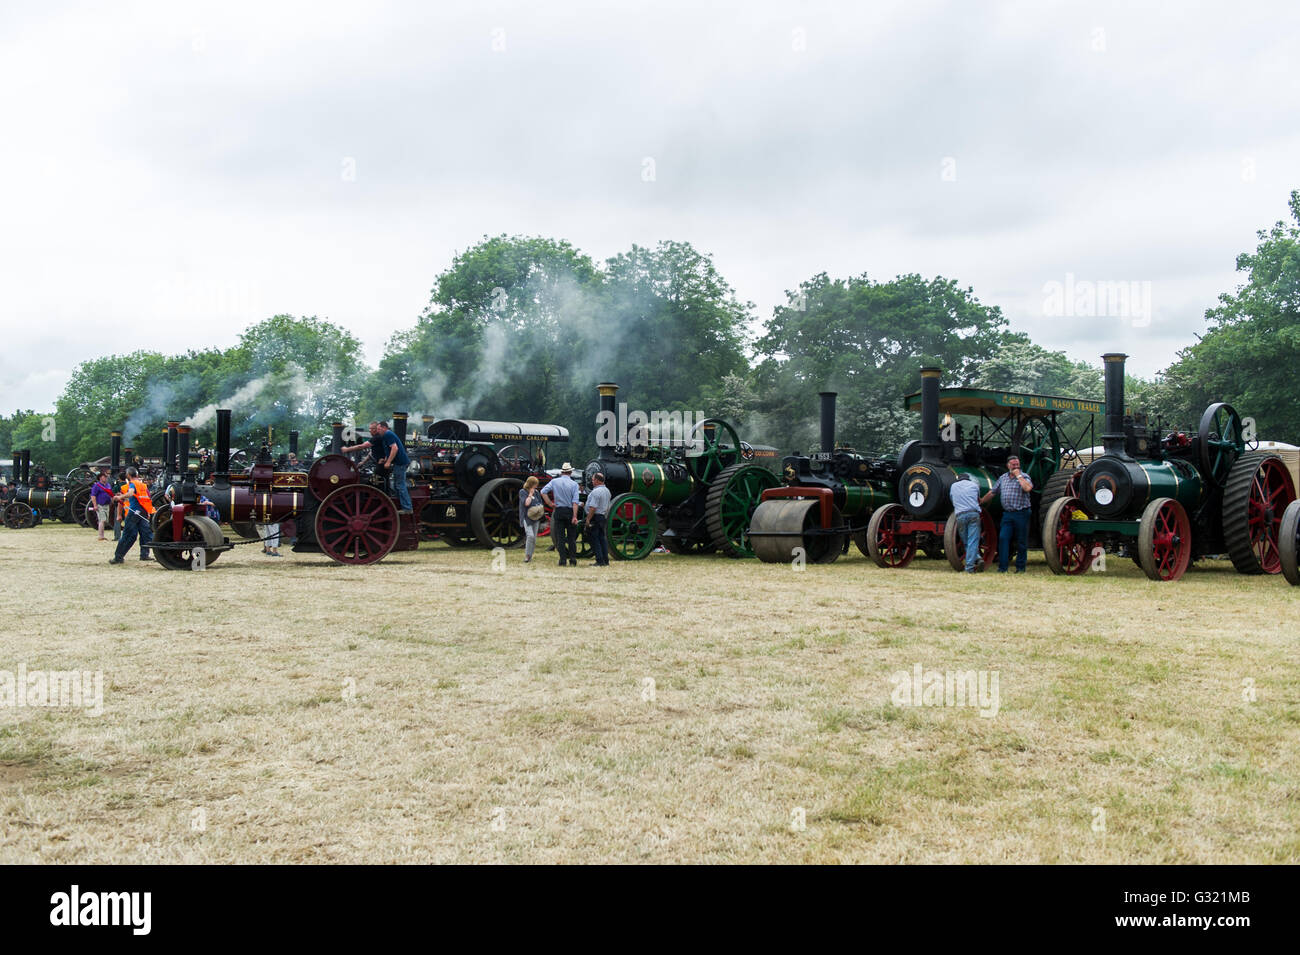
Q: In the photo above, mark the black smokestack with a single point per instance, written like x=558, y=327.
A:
x=223, y=441
x=828, y=420
x=930, y=407
x=183, y=450
x=114, y=453
x=399, y=425
x=293, y=442
x=336, y=437
x=608, y=412
x=173, y=445
x=1113, y=437
x=27, y=466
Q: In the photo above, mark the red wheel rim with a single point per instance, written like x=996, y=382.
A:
x=1075, y=553
x=897, y=549
x=356, y=525
x=1171, y=541
x=1270, y=493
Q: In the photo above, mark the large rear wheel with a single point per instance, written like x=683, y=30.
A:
x=1258, y=491
x=734, y=495
x=356, y=524
x=494, y=513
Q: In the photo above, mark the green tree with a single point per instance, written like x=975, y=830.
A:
x=868, y=341
x=1249, y=355
x=524, y=328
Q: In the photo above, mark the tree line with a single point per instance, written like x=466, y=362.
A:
x=523, y=328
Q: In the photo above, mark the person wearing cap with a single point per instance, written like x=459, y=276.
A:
x=562, y=494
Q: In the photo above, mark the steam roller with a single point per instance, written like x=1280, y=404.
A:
x=827, y=500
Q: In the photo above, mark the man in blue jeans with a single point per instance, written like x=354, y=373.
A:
x=1013, y=488
x=390, y=455
x=966, y=505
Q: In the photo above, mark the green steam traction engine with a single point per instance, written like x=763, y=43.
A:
x=694, y=495
x=827, y=500
x=922, y=516
x=1180, y=497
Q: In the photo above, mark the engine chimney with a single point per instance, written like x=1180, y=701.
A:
x=336, y=437
x=223, y=444
x=173, y=446
x=399, y=425
x=27, y=466
x=183, y=450
x=828, y=420
x=1112, y=438
x=293, y=442
x=930, y=409
x=608, y=417
x=114, y=454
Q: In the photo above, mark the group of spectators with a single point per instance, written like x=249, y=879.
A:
x=562, y=495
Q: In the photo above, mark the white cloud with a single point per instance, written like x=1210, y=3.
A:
x=173, y=173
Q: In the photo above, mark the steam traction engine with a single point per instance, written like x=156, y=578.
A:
x=472, y=471
x=923, y=516
x=1181, y=497
x=36, y=493
x=348, y=517
x=827, y=499
x=695, y=495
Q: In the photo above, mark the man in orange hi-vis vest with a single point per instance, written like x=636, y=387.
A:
x=135, y=496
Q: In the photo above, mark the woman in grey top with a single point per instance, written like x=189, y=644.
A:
x=529, y=496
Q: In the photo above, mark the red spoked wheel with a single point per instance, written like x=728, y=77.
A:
x=357, y=524
x=886, y=546
x=954, y=543
x=1064, y=551
x=1164, y=540
x=1258, y=491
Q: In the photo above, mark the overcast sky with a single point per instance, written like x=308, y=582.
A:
x=171, y=173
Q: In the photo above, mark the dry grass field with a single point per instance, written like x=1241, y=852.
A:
x=429, y=709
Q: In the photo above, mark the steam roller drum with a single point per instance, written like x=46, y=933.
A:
x=1288, y=544
x=198, y=531
x=494, y=514
x=780, y=526
x=331, y=472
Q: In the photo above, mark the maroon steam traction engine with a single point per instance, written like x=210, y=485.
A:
x=349, y=516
